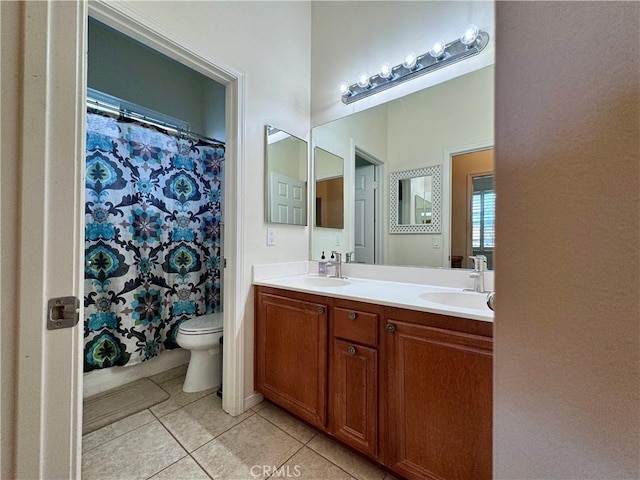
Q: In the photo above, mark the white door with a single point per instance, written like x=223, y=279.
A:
x=364, y=214
x=287, y=199
x=49, y=400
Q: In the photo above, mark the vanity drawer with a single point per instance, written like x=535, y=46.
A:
x=354, y=325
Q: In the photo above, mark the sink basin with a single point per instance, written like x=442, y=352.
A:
x=325, y=282
x=477, y=301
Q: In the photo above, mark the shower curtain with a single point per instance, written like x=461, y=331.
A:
x=152, y=238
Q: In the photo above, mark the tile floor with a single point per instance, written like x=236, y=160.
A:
x=188, y=436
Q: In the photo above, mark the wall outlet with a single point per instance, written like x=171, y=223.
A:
x=337, y=239
x=435, y=242
x=271, y=237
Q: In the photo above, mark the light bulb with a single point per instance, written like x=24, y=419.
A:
x=363, y=82
x=470, y=35
x=385, y=71
x=344, y=88
x=437, y=50
x=410, y=61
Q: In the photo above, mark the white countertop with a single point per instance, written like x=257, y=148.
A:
x=394, y=294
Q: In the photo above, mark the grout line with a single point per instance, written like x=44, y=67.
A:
x=181, y=406
x=282, y=429
x=230, y=428
x=168, y=466
x=290, y=457
x=122, y=434
x=357, y=457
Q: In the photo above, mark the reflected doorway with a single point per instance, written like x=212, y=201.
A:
x=366, y=235
x=472, y=207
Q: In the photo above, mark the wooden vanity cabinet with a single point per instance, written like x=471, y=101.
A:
x=353, y=375
x=411, y=390
x=291, y=352
x=439, y=397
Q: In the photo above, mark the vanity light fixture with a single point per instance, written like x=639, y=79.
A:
x=442, y=54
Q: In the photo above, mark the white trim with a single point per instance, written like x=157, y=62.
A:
x=446, y=199
x=252, y=400
x=142, y=28
x=103, y=379
x=49, y=400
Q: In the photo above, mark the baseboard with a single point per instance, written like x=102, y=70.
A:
x=98, y=381
x=252, y=400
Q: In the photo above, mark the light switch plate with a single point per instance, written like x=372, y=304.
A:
x=435, y=242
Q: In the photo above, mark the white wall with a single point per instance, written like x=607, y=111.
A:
x=567, y=366
x=269, y=42
x=352, y=37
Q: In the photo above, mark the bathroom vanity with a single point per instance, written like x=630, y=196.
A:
x=402, y=383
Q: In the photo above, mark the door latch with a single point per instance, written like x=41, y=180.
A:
x=63, y=312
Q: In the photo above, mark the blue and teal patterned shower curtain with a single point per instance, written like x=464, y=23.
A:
x=153, y=240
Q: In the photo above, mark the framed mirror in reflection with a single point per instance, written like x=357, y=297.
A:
x=415, y=198
x=422, y=130
x=329, y=189
x=285, y=178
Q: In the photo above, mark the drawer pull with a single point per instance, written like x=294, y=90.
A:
x=352, y=315
x=391, y=328
x=320, y=310
x=351, y=351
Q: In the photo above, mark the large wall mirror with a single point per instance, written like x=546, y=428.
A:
x=329, y=189
x=445, y=129
x=286, y=177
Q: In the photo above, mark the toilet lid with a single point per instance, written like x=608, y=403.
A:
x=209, y=323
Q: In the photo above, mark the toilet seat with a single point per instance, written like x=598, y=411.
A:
x=202, y=325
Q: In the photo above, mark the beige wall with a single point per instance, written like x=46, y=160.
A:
x=567, y=367
x=10, y=14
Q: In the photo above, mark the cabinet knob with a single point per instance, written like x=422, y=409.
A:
x=391, y=327
x=320, y=310
x=351, y=350
x=352, y=315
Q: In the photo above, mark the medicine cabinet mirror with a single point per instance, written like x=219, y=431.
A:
x=286, y=177
x=329, y=189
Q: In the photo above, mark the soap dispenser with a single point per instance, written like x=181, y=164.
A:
x=322, y=266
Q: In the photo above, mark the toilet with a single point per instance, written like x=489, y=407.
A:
x=201, y=335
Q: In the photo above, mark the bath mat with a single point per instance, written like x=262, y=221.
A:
x=113, y=405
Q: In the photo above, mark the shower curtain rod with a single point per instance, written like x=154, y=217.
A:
x=125, y=112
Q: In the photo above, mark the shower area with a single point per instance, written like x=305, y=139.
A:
x=153, y=207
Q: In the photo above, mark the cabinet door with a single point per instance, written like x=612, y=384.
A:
x=354, y=395
x=440, y=402
x=291, y=355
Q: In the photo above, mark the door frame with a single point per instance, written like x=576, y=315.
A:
x=131, y=22
x=446, y=199
x=49, y=379
x=51, y=238
x=380, y=175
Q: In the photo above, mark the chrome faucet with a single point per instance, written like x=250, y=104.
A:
x=350, y=256
x=336, y=263
x=479, y=267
